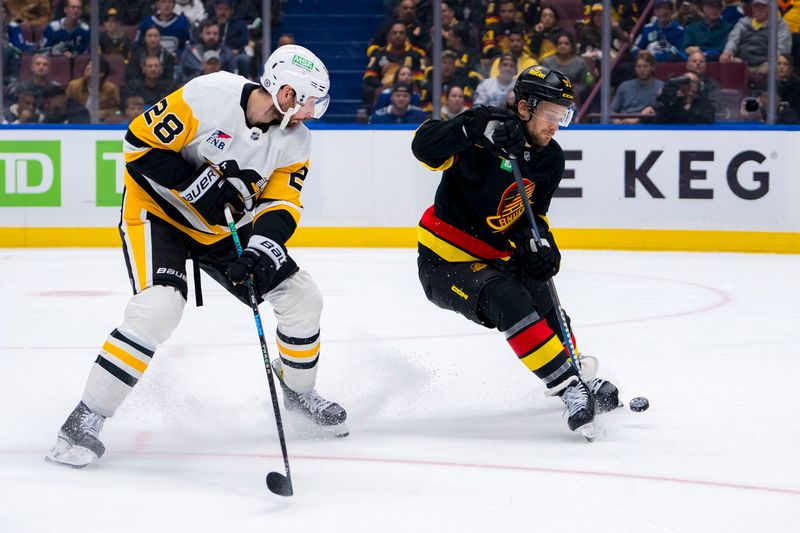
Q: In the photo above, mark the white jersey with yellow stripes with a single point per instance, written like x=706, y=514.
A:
x=205, y=121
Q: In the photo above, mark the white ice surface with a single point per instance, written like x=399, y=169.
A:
x=449, y=431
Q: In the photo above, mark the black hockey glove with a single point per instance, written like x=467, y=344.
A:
x=543, y=262
x=498, y=125
x=209, y=193
x=509, y=137
x=262, y=258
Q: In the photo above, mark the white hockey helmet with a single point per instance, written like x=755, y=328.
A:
x=304, y=72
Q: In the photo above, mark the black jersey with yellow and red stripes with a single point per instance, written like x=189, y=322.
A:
x=477, y=205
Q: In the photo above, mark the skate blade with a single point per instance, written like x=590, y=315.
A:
x=66, y=454
x=338, y=430
x=591, y=431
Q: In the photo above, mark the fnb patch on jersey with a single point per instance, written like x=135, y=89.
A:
x=219, y=139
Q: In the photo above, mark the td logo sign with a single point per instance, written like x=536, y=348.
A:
x=110, y=173
x=30, y=173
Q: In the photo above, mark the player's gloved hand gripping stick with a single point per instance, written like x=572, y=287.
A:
x=277, y=483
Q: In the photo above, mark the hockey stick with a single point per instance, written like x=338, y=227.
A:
x=551, y=286
x=277, y=483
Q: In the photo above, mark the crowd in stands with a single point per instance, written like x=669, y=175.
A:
x=683, y=61
x=148, y=49
x=686, y=61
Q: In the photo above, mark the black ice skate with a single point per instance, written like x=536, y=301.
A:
x=325, y=414
x=78, y=441
x=606, y=394
x=580, y=404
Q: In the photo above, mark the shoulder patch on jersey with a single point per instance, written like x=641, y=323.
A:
x=219, y=140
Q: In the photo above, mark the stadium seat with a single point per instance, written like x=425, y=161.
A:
x=116, y=65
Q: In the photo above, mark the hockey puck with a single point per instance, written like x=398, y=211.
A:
x=639, y=404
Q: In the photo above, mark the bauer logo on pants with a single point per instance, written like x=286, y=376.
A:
x=30, y=173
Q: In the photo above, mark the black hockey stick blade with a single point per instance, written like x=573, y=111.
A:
x=279, y=484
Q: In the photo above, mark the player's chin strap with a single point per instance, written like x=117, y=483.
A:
x=287, y=115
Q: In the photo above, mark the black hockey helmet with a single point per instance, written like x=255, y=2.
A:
x=542, y=84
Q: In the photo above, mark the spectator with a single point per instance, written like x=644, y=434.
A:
x=175, y=29
x=589, y=36
x=624, y=13
x=681, y=102
x=733, y=11
x=113, y=39
x=39, y=82
x=193, y=10
x=134, y=106
x=493, y=91
x=572, y=65
x=518, y=50
x=544, y=34
x=152, y=87
x=13, y=47
x=460, y=41
x=37, y=13
x=589, y=45
x=60, y=109
x=67, y=36
x=697, y=64
x=470, y=11
x=708, y=35
x=454, y=103
x=449, y=20
x=638, y=96
x=211, y=62
x=400, y=111
x=688, y=11
x=495, y=36
x=24, y=111
x=406, y=13
x=788, y=83
x=384, y=62
x=663, y=37
x=747, y=42
x=131, y=12
x=403, y=75
x=790, y=12
x=451, y=75
x=192, y=59
x=150, y=47
x=233, y=34
x=284, y=39
x=78, y=90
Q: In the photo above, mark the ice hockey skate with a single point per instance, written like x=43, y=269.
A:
x=78, y=441
x=606, y=394
x=580, y=405
x=324, y=414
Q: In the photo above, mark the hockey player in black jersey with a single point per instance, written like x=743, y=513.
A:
x=475, y=253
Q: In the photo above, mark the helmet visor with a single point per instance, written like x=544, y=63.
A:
x=556, y=114
x=315, y=107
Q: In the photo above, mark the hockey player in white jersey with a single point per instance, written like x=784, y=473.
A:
x=219, y=140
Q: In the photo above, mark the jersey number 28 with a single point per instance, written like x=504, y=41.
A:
x=168, y=127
